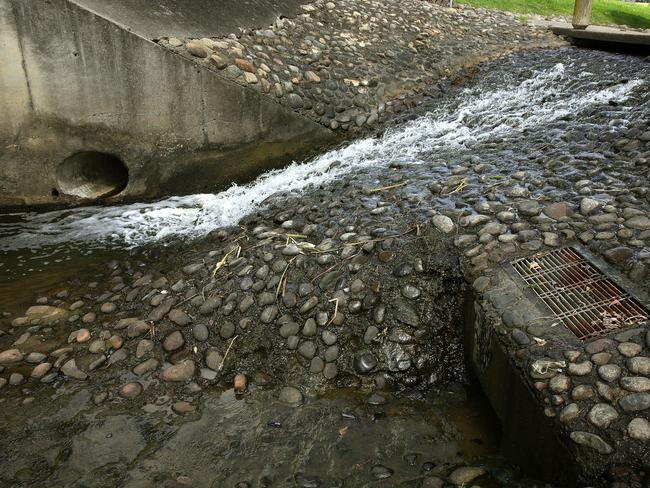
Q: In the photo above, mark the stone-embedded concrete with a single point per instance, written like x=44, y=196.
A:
x=349, y=64
x=556, y=395
x=75, y=81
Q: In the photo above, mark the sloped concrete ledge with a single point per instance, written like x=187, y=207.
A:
x=78, y=82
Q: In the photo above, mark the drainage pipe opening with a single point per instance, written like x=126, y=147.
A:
x=92, y=174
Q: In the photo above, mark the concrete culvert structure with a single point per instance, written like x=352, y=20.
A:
x=91, y=174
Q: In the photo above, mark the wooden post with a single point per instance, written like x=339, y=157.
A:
x=581, y=14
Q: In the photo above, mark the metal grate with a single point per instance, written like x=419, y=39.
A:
x=584, y=299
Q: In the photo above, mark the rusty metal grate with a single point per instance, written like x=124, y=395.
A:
x=582, y=297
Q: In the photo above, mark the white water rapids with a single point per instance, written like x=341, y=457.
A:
x=480, y=115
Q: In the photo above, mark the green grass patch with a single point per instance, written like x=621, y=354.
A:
x=604, y=11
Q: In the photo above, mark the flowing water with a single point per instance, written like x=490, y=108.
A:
x=502, y=104
x=527, y=107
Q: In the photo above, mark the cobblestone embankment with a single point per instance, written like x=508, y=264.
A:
x=351, y=64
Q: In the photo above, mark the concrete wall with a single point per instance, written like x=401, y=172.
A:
x=76, y=81
x=529, y=439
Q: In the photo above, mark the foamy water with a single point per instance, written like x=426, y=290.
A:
x=479, y=116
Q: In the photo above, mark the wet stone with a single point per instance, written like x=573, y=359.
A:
x=400, y=336
x=117, y=356
x=179, y=317
x=269, y=314
x=569, y=413
x=330, y=371
x=35, y=357
x=635, y=402
x=520, y=337
x=559, y=210
x=200, y=332
x=589, y=206
x=619, y=255
x=591, y=441
x=173, y=341
x=307, y=349
x=365, y=362
x=599, y=345
x=183, y=371
x=331, y=354
x=582, y=392
x=580, y=369
x=465, y=475
x=304, y=481
x=529, y=208
x=410, y=292
x=639, y=429
x=636, y=384
x=317, y=365
x=355, y=306
x=246, y=303
x=637, y=365
x=406, y=314
x=432, y=482
x=376, y=399
x=192, y=268
x=601, y=358
x=559, y=384
x=41, y=370
x=629, y=334
x=213, y=359
x=227, y=330
x=71, y=370
x=379, y=314
x=131, y=390
x=97, y=346
x=308, y=330
x=146, y=366
x=290, y=396
x=602, y=415
x=10, y=356
x=629, y=349
x=443, y=224
x=16, y=379
x=609, y=372
x=183, y=407
x=328, y=337
x=289, y=329
x=428, y=466
x=380, y=472
x=292, y=342
x=370, y=334
x=144, y=347
x=473, y=220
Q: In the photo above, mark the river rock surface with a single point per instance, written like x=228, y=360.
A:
x=349, y=285
x=351, y=64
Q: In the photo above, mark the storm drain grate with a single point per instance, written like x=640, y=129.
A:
x=584, y=299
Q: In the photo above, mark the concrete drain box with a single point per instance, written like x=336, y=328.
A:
x=582, y=297
x=557, y=307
